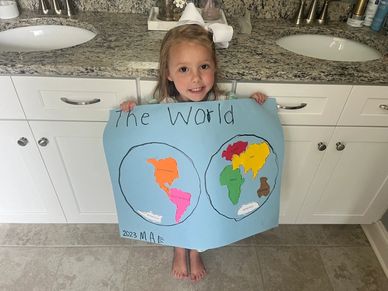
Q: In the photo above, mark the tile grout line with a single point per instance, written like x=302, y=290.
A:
x=260, y=267
x=56, y=272
x=126, y=273
x=325, y=268
x=159, y=245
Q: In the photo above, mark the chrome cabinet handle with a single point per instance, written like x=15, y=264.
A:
x=383, y=106
x=300, y=106
x=321, y=146
x=339, y=146
x=22, y=141
x=43, y=142
x=88, y=102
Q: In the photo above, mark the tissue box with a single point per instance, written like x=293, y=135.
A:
x=154, y=23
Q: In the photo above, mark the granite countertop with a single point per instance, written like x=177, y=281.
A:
x=124, y=48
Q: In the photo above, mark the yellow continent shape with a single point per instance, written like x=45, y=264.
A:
x=253, y=158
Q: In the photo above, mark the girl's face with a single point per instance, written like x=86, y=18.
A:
x=192, y=69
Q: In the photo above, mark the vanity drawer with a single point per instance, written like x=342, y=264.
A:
x=302, y=104
x=146, y=89
x=9, y=103
x=72, y=98
x=366, y=106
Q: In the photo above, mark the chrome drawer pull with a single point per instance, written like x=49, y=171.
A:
x=68, y=101
x=383, y=106
x=300, y=106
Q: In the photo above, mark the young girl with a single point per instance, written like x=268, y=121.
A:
x=187, y=73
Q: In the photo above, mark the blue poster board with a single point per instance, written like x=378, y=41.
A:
x=196, y=175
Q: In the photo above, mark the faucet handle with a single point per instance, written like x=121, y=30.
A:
x=323, y=15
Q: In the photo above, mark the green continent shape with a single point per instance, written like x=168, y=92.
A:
x=233, y=180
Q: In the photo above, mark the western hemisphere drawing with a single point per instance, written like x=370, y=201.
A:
x=163, y=171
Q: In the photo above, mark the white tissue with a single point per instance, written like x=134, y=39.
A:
x=191, y=15
x=222, y=33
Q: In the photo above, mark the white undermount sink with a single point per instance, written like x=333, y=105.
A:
x=43, y=38
x=328, y=48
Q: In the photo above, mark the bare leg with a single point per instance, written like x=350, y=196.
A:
x=197, y=268
x=179, y=264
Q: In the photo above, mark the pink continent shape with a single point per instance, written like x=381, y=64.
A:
x=181, y=200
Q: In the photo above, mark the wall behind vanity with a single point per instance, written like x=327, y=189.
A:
x=259, y=8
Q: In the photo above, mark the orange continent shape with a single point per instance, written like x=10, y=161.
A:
x=165, y=172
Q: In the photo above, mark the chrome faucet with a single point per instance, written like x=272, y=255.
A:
x=44, y=7
x=300, y=15
x=323, y=15
x=312, y=14
x=54, y=7
x=57, y=8
x=69, y=12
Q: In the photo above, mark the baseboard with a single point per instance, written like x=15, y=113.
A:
x=378, y=238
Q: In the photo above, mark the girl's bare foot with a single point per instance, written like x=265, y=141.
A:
x=179, y=264
x=197, y=268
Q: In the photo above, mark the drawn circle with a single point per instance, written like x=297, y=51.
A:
x=142, y=193
x=223, y=197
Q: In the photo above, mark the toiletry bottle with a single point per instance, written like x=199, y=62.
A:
x=370, y=12
x=381, y=13
x=357, y=15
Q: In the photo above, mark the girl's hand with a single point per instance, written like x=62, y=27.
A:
x=259, y=97
x=127, y=106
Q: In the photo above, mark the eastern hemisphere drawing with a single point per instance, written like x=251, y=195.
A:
x=242, y=163
x=170, y=184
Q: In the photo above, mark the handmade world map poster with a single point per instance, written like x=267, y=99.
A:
x=195, y=175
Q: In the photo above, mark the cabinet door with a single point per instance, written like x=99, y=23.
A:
x=74, y=157
x=27, y=195
x=9, y=103
x=351, y=185
x=301, y=161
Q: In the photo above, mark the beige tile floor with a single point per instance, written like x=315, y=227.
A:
x=93, y=257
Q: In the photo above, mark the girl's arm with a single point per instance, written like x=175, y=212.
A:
x=259, y=97
x=127, y=106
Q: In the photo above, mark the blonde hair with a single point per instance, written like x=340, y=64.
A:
x=184, y=33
